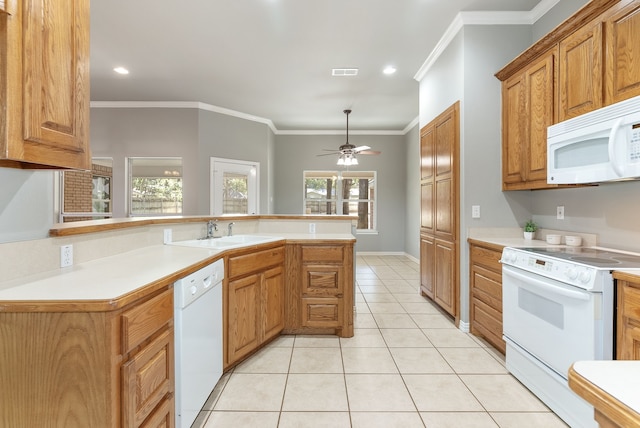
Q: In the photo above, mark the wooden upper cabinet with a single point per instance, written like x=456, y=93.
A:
x=528, y=108
x=622, y=61
x=540, y=93
x=45, y=51
x=581, y=72
x=427, y=175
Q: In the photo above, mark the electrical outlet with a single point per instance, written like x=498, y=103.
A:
x=475, y=211
x=66, y=255
x=167, y=236
x=560, y=212
x=312, y=228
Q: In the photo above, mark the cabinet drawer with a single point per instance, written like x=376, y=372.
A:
x=488, y=322
x=322, y=253
x=147, y=378
x=163, y=416
x=322, y=312
x=487, y=258
x=630, y=298
x=486, y=287
x=322, y=280
x=254, y=262
x=145, y=319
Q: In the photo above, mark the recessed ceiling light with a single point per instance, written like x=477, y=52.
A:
x=389, y=69
x=121, y=70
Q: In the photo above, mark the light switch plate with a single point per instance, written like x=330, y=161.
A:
x=475, y=211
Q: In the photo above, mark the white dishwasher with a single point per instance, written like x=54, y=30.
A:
x=198, y=339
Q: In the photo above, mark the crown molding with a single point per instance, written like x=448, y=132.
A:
x=483, y=18
x=240, y=115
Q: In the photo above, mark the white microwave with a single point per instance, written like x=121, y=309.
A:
x=602, y=145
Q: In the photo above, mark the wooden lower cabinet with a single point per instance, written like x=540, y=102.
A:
x=438, y=273
x=485, y=293
x=320, y=288
x=628, y=317
x=89, y=369
x=254, y=300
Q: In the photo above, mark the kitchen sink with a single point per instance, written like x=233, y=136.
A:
x=226, y=241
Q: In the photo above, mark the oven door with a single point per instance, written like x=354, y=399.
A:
x=556, y=323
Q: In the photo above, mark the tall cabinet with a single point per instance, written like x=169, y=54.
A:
x=44, y=84
x=439, y=183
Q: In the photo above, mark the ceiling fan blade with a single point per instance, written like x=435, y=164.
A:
x=361, y=148
x=370, y=152
x=329, y=154
x=330, y=150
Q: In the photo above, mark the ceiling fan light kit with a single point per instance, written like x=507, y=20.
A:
x=347, y=152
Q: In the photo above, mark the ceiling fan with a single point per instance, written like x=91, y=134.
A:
x=347, y=152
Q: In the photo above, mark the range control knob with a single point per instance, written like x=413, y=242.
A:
x=571, y=273
x=585, y=276
x=193, y=290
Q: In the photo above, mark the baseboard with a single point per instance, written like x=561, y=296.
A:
x=387, y=253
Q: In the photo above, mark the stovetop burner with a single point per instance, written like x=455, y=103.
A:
x=599, y=258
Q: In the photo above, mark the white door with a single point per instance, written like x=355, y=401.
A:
x=234, y=185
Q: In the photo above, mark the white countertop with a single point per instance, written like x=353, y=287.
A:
x=620, y=379
x=112, y=277
x=104, y=279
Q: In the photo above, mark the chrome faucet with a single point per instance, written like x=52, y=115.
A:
x=211, y=228
x=230, y=229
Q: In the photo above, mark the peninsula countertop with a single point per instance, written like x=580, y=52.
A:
x=611, y=387
x=113, y=281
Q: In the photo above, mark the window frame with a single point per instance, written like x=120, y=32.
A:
x=130, y=177
x=338, y=199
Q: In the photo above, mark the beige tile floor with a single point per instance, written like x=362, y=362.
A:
x=406, y=366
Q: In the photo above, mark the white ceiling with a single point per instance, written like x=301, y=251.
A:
x=273, y=58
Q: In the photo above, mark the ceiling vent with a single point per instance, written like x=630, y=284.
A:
x=344, y=72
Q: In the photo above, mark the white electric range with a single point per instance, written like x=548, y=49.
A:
x=558, y=308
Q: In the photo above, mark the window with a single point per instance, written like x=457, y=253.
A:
x=342, y=192
x=155, y=186
x=86, y=195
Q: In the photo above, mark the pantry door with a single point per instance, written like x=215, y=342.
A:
x=234, y=185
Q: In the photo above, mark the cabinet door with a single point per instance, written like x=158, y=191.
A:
x=427, y=265
x=513, y=130
x=622, y=31
x=446, y=173
x=47, y=94
x=540, y=114
x=445, y=293
x=628, y=334
x=163, y=416
x=147, y=379
x=243, y=312
x=580, y=72
x=273, y=302
x=427, y=179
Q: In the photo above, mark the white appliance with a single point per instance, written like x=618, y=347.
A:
x=198, y=339
x=602, y=145
x=558, y=308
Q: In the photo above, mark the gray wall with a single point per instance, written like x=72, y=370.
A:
x=297, y=153
x=26, y=204
x=412, y=186
x=119, y=133
x=233, y=138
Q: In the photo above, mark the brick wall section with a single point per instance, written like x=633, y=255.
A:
x=78, y=186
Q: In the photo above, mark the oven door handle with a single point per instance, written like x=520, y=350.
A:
x=531, y=283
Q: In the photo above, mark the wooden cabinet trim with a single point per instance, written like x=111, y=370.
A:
x=590, y=11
